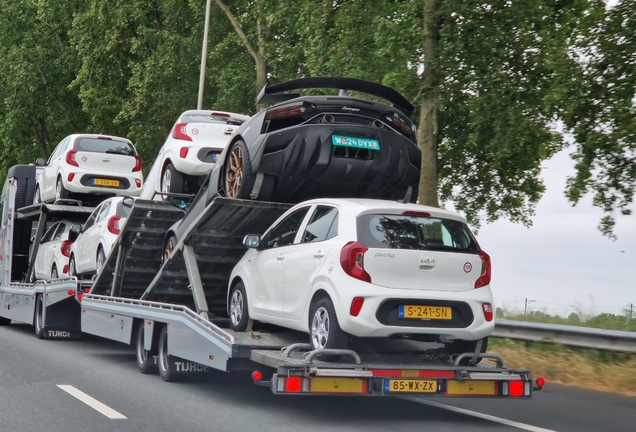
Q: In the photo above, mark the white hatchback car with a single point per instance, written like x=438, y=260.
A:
x=89, y=164
x=51, y=261
x=189, y=153
x=96, y=238
x=368, y=268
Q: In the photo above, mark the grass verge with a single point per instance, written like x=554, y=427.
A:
x=589, y=369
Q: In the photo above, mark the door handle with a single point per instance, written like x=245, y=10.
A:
x=319, y=254
x=280, y=257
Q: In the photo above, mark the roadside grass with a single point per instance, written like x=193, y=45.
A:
x=589, y=369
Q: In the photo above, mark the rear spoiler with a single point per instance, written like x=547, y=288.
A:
x=271, y=94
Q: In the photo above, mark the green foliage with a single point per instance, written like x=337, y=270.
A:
x=606, y=321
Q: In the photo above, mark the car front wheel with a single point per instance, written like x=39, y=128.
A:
x=72, y=269
x=239, y=315
x=100, y=261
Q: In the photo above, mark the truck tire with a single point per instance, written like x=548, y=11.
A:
x=38, y=319
x=145, y=358
x=167, y=368
x=239, y=314
x=238, y=178
x=324, y=330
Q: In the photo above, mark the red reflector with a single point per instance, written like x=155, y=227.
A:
x=257, y=376
x=70, y=177
x=183, y=152
x=70, y=292
x=356, y=305
x=179, y=132
x=105, y=138
x=66, y=248
x=138, y=164
x=293, y=384
x=138, y=183
x=486, y=270
x=416, y=213
x=487, y=307
x=540, y=382
x=70, y=158
x=65, y=269
x=516, y=388
x=80, y=296
x=113, y=224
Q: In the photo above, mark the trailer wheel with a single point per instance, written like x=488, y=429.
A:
x=167, y=368
x=324, y=330
x=145, y=359
x=462, y=346
x=38, y=320
x=239, y=314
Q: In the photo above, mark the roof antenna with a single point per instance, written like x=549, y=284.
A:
x=408, y=196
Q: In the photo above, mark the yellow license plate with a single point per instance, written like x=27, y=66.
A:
x=409, y=386
x=426, y=312
x=337, y=385
x=475, y=388
x=105, y=182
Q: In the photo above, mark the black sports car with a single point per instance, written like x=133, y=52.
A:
x=305, y=147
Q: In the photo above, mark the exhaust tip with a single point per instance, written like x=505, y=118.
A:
x=329, y=118
x=378, y=124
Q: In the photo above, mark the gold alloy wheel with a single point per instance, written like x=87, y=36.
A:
x=169, y=248
x=234, y=173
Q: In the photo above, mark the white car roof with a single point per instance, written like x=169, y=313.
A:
x=366, y=205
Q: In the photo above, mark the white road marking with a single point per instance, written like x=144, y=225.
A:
x=92, y=402
x=479, y=415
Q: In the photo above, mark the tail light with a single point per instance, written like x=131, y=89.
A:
x=400, y=123
x=352, y=260
x=486, y=269
x=289, y=110
x=66, y=248
x=70, y=158
x=179, y=132
x=138, y=164
x=183, y=152
x=416, y=213
x=113, y=224
x=219, y=114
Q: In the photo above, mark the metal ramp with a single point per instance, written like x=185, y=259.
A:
x=198, y=270
x=136, y=255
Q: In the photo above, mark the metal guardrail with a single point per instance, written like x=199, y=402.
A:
x=581, y=337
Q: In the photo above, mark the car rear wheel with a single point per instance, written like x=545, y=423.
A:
x=239, y=315
x=172, y=180
x=36, y=196
x=100, y=260
x=239, y=178
x=60, y=191
x=72, y=270
x=324, y=330
x=54, y=274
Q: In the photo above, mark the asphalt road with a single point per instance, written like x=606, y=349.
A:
x=37, y=378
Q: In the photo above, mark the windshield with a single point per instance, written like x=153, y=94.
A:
x=415, y=232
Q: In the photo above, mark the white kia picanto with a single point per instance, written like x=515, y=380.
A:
x=368, y=268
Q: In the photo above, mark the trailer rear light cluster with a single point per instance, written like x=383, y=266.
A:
x=352, y=260
x=320, y=385
x=515, y=388
x=486, y=270
x=179, y=132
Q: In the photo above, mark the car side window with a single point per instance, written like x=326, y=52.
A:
x=48, y=235
x=322, y=226
x=285, y=232
x=91, y=220
x=102, y=214
x=59, y=234
x=56, y=152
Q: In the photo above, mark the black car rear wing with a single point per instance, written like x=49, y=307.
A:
x=271, y=94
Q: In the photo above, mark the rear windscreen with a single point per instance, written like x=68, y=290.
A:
x=97, y=145
x=415, y=232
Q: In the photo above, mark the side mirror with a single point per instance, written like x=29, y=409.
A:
x=128, y=202
x=40, y=162
x=252, y=241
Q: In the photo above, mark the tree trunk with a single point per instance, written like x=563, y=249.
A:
x=427, y=130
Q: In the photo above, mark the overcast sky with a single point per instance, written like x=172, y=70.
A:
x=562, y=263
